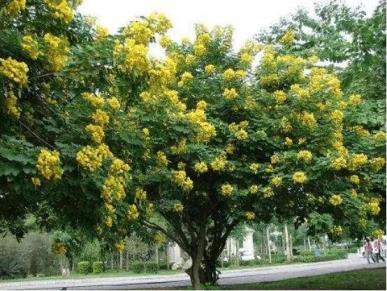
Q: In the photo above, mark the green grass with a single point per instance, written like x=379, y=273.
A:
x=367, y=279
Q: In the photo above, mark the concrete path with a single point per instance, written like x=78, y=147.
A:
x=230, y=277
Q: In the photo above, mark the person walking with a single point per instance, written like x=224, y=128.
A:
x=378, y=249
x=368, y=250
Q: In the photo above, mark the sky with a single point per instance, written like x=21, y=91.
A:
x=246, y=16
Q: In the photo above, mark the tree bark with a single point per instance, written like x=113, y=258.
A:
x=121, y=260
x=197, y=256
x=287, y=247
x=268, y=243
x=127, y=260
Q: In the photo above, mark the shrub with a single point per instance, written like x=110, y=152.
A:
x=97, y=267
x=151, y=267
x=84, y=267
x=137, y=267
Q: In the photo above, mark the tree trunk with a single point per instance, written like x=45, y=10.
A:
x=157, y=254
x=291, y=246
x=268, y=243
x=127, y=260
x=121, y=260
x=309, y=246
x=167, y=255
x=287, y=248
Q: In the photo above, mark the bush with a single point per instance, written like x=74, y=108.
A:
x=151, y=267
x=97, y=267
x=84, y=267
x=137, y=267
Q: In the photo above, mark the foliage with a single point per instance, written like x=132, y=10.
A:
x=97, y=267
x=137, y=267
x=83, y=267
x=151, y=267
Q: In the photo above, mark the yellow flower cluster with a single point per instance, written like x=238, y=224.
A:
x=14, y=70
x=268, y=192
x=337, y=230
x=288, y=141
x=30, y=46
x=339, y=163
x=135, y=56
x=120, y=246
x=249, y=215
x=181, y=179
x=378, y=233
x=254, y=167
x=320, y=80
x=159, y=23
x=269, y=80
x=226, y=189
x=300, y=92
x=288, y=37
x=276, y=181
x=280, y=96
x=358, y=160
x=100, y=117
x=57, y=51
x=113, y=102
x=355, y=99
x=230, y=94
x=132, y=212
x=140, y=194
x=380, y=136
x=209, y=69
x=96, y=132
x=36, y=181
x=101, y=32
x=93, y=99
x=60, y=9
x=165, y=41
x=337, y=117
x=335, y=200
x=285, y=125
x=377, y=164
x=178, y=207
x=11, y=105
x=308, y=119
x=205, y=129
x=161, y=159
x=299, y=177
x=180, y=148
x=253, y=189
x=360, y=131
x=186, y=77
x=246, y=58
x=239, y=130
x=139, y=31
x=200, y=167
x=118, y=166
x=373, y=207
x=274, y=159
x=218, y=163
x=355, y=179
x=229, y=74
x=113, y=187
x=14, y=7
x=304, y=155
x=48, y=164
x=91, y=158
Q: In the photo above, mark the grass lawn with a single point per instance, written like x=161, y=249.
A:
x=367, y=279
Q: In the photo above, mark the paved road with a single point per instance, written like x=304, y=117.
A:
x=240, y=276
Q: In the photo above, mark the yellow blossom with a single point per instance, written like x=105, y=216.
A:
x=254, y=167
x=304, y=155
x=377, y=164
x=274, y=159
x=229, y=74
x=268, y=192
x=132, y=212
x=355, y=179
x=119, y=166
x=109, y=221
x=337, y=230
x=100, y=117
x=48, y=164
x=373, y=207
x=91, y=158
x=335, y=200
x=113, y=187
x=14, y=70
x=186, y=77
x=93, y=99
x=241, y=134
x=378, y=233
x=30, y=46
x=218, y=163
x=253, y=189
x=113, y=103
x=249, y=215
x=181, y=179
x=355, y=99
x=178, y=207
x=276, y=181
x=120, y=246
x=226, y=189
x=140, y=194
x=230, y=94
x=201, y=167
x=209, y=69
x=14, y=7
x=288, y=37
x=358, y=160
x=96, y=132
x=101, y=32
x=299, y=177
x=11, y=105
x=339, y=163
x=57, y=50
x=288, y=141
x=36, y=181
x=161, y=159
x=280, y=96
x=60, y=9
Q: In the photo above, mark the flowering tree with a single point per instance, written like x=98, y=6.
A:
x=188, y=146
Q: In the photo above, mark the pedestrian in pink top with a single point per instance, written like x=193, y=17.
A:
x=368, y=250
x=378, y=248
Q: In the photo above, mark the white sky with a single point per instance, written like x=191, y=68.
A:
x=246, y=16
